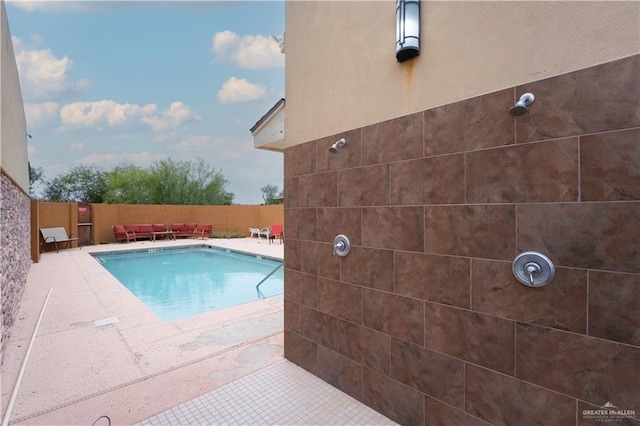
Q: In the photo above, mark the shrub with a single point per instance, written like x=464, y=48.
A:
x=227, y=234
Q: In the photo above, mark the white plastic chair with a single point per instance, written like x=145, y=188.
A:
x=264, y=232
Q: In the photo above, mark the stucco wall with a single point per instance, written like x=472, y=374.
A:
x=271, y=132
x=15, y=219
x=423, y=320
x=13, y=127
x=342, y=72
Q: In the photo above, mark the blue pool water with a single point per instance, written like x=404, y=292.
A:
x=178, y=283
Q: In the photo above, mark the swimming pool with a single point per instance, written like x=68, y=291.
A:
x=180, y=282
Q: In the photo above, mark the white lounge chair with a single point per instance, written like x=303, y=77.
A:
x=264, y=232
x=254, y=231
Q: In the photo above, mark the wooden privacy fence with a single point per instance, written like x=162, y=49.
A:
x=92, y=223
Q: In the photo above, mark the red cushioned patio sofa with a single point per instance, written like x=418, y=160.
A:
x=184, y=229
x=134, y=232
x=137, y=231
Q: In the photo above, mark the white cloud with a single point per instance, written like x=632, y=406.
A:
x=31, y=150
x=232, y=154
x=86, y=114
x=36, y=38
x=68, y=5
x=110, y=113
x=172, y=118
x=76, y=146
x=101, y=5
x=40, y=112
x=249, y=51
x=137, y=158
x=224, y=42
x=194, y=142
x=33, y=6
x=164, y=136
x=42, y=74
x=238, y=90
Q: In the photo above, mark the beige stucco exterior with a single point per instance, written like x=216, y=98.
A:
x=13, y=127
x=268, y=132
x=341, y=71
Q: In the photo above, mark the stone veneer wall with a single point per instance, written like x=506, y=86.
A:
x=423, y=320
x=15, y=254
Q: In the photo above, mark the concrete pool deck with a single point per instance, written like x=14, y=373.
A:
x=133, y=369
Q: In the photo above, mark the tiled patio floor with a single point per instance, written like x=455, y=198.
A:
x=281, y=394
x=219, y=367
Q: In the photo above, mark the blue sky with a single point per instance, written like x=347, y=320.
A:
x=109, y=83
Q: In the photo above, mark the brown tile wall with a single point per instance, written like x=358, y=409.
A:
x=423, y=320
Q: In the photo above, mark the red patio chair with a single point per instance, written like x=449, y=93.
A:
x=205, y=231
x=121, y=234
x=277, y=231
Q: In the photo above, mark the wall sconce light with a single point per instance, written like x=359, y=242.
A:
x=407, y=29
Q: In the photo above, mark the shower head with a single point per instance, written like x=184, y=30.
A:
x=339, y=144
x=521, y=107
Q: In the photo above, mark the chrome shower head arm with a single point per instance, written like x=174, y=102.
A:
x=338, y=144
x=527, y=99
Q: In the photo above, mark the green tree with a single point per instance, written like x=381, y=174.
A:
x=83, y=184
x=36, y=176
x=187, y=182
x=270, y=194
x=128, y=184
x=165, y=182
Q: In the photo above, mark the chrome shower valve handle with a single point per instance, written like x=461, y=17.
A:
x=341, y=245
x=533, y=269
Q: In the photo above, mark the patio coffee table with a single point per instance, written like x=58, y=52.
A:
x=165, y=234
